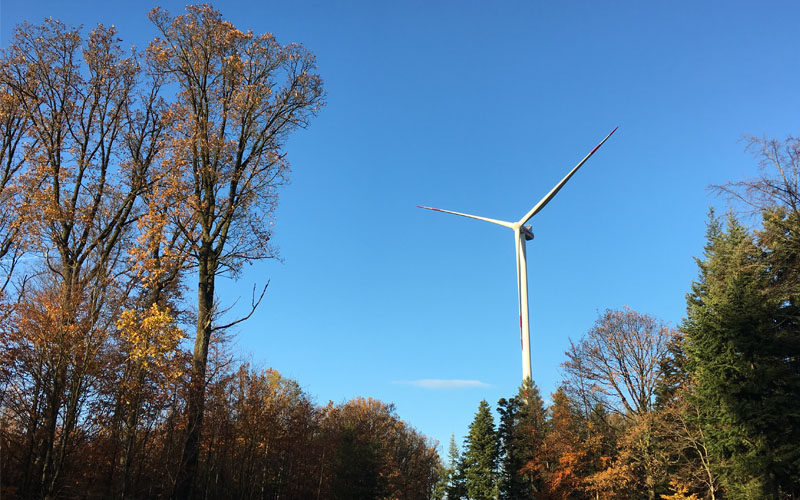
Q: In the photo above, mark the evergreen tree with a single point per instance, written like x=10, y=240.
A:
x=680, y=440
x=521, y=437
x=479, y=462
x=530, y=432
x=742, y=352
x=452, y=482
x=509, y=481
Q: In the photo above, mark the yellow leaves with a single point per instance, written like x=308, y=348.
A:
x=610, y=480
x=151, y=335
x=157, y=254
x=681, y=492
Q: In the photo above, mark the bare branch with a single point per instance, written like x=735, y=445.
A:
x=253, y=305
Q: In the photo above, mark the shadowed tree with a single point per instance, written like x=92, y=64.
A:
x=510, y=464
x=679, y=434
x=682, y=437
x=521, y=435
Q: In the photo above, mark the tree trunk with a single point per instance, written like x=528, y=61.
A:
x=195, y=406
x=129, y=435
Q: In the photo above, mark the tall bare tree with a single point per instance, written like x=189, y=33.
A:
x=778, y=180
x=620, y=357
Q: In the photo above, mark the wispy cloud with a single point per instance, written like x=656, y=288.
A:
x=433, y=383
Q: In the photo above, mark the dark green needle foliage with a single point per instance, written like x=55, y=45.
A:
x=509, y=482
x=479, y=462
x=521, y=435
x=454, y=485
x=742, y=344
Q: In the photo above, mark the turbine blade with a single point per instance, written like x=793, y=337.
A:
x=549, y=196
x=486, y=219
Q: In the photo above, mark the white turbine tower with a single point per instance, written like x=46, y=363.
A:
x=520, y=231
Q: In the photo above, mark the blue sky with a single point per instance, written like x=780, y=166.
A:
x=481, y=107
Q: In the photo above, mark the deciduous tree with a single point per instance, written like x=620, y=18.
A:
x=240, y=95
x=621, y=358
x=568, y=460
x=14, y=142
x=78, y=99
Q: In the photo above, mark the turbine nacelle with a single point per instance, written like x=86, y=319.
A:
x=527, y=231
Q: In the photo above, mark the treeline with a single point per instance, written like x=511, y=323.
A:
x=264, y=438
x=126, y=178
x=710, y=410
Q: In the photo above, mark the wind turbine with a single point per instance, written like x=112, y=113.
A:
x=522, y=231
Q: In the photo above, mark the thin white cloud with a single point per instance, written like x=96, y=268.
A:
x=433, y=383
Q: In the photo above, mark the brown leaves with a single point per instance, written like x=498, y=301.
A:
x=240, y=95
